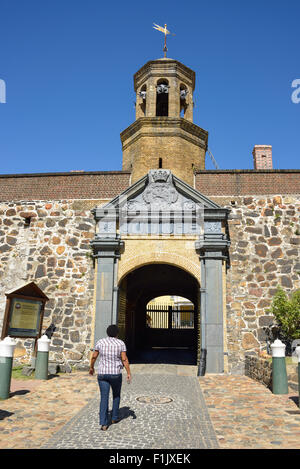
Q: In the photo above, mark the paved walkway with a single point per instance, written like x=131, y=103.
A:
x=181, y=423
x=215, y=411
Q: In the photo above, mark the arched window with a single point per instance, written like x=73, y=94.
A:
x=162, y=98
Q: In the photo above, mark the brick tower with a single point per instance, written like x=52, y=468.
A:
x=163, y=134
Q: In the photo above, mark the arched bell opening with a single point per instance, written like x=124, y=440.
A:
x=162, y=98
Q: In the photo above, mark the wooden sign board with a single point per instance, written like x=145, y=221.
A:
x=24, y=312
x=24, y=317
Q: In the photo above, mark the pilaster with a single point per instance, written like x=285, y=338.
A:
x=106, y=252
x=213, y=252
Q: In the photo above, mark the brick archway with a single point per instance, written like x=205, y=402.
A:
x=173, y=259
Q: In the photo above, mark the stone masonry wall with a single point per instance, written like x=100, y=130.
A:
x=259, y=369
x=180, y=145
x=54, y=252
x=264, y=254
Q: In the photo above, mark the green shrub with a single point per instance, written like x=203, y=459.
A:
x=287, y=313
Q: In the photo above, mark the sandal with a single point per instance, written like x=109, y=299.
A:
x=104, y=427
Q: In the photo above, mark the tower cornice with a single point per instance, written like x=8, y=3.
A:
x=163, y=67
x=164, y=123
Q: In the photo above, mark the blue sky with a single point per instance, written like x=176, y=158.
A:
x=68, y=66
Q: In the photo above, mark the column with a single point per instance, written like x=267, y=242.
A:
x=174, y=98
x=213, y=252
x=151, y=98
x=190, y=105
x=106, y=253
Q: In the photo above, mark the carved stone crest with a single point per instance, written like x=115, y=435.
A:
x=160, y=191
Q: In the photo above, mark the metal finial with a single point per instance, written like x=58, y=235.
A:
x=165, y=31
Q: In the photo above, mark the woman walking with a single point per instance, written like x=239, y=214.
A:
x=112, y=358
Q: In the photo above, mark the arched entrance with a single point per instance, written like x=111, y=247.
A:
x=176, y=236
x=169, y=339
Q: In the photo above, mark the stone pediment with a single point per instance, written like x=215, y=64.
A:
x=162, y=189
x=159, y=198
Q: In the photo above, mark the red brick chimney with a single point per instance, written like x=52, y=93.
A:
x=262, y=157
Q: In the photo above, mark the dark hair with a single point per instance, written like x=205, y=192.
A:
x=112, y=331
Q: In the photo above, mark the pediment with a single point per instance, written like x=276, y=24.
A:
x=163, y=201
x=160, y=189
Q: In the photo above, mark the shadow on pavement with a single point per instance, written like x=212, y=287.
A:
x=4, y=414
x=125, y=412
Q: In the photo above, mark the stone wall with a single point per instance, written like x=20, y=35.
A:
x=54, y=252
x=264, y=254
x=180, y=144
x=259, y=369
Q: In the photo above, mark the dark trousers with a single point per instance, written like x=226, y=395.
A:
x=105, y=383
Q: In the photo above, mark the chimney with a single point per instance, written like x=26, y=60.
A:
x=262, y=157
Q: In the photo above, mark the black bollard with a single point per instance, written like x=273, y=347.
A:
x=202, y=362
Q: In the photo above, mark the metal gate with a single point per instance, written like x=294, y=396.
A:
x=168, y=326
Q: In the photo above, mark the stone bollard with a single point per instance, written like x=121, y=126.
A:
x=298, y=354
x=279, y=374
x=7, y=347
x=42, y=358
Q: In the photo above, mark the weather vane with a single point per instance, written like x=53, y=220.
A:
x=165, y=31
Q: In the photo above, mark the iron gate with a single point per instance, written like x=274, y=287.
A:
x=167, y=317
x=168, y=326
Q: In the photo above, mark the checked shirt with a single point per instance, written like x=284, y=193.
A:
x=110, y=349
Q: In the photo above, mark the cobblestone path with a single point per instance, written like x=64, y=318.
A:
x=182, y=423
x=63, y=413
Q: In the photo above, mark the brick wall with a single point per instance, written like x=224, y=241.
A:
x=108, y=184
x=248, y=182
x=57, y=186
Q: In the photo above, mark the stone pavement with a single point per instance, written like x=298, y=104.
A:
x=215, y=411
x=181, y=423
x=246, y=415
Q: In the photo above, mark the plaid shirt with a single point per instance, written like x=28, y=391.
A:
x=110, y=350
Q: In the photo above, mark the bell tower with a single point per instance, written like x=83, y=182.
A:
x=163, y=134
